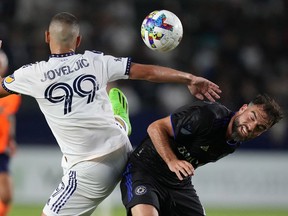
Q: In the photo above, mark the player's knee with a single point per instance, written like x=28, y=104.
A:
x=144, y=210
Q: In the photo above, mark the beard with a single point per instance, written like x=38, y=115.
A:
x=236, y=135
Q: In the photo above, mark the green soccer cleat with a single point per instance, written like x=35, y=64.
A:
x=120, y=107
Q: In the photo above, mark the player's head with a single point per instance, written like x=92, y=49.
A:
x=255, y=118
x=63, y=33
x=3, y=63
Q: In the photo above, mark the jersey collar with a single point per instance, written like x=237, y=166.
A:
x=232, y=142
x=61, y=55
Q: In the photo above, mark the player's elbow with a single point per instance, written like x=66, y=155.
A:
x=152, y=128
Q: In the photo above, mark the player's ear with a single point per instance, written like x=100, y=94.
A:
x=244, y=107
x=78, y=41
x=47, y=36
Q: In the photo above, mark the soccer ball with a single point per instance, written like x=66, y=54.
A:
x=161, y=30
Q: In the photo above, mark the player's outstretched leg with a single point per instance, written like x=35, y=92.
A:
x=120, y=108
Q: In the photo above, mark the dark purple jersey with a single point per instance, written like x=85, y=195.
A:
x=199, y=137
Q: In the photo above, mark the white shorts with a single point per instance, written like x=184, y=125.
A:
x=86, y=185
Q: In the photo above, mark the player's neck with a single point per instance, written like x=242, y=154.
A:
x=229, y=129
x=62, y=50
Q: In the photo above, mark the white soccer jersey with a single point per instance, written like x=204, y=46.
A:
x=71, y=92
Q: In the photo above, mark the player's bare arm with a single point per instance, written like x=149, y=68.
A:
x=3, y=92
x=198, y=86
x=159, y=132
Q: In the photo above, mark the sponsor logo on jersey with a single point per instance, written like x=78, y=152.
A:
x=117, y=59
x=140, y=190
x=27, y=65
x=204, y=148
x=9, y=79
x=183, y=151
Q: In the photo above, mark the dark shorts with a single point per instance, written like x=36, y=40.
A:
x=139, y=187
x=4, y=162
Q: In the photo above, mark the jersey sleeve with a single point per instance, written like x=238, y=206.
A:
x=18, y=82
x=117, y=67
x=189, y=121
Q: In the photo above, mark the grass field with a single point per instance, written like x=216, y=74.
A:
x=36, y=211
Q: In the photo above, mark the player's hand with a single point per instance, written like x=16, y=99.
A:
x=12, y=146
x=181, y=168
x=201, y=87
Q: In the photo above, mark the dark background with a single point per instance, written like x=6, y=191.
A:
x=239, y=44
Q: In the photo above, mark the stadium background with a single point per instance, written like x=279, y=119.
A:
x=239, y=44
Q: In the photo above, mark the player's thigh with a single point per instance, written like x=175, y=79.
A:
x=5, y=179
x=144, y=210
x=86, y=185
x=5, y=187
x=69, y=198
x=186, y=202
x=139, y=191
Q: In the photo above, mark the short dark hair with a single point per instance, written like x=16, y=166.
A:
x=65, y=17
x=270, y=107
